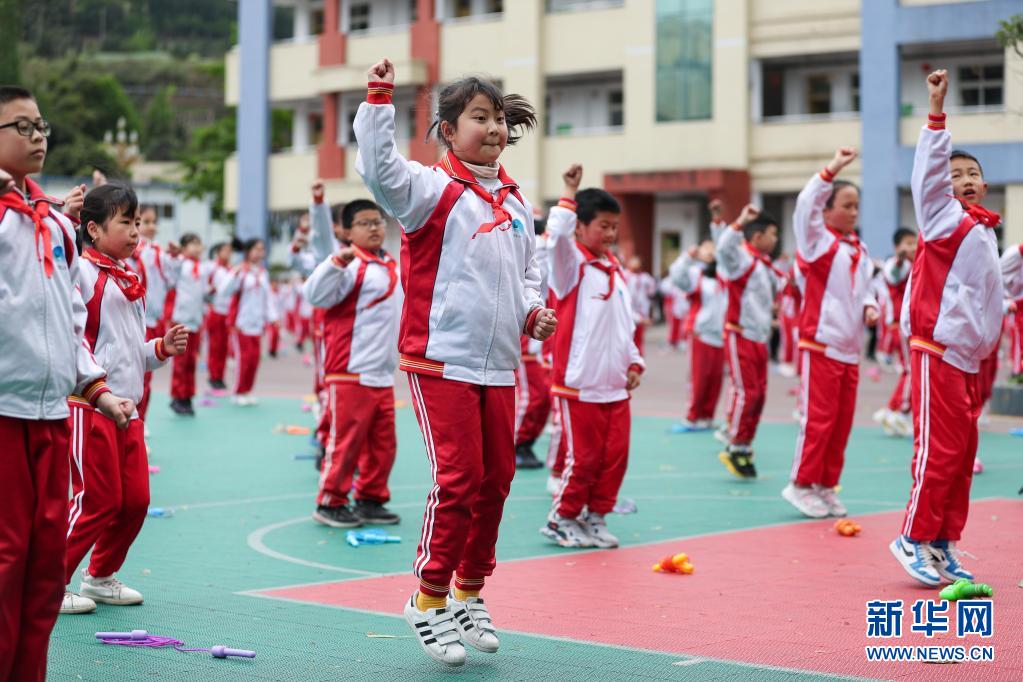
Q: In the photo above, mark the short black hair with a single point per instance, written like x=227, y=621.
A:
x=837, y=187
x=960, y=154
x=592, y=201
x=758, y=225
x=518, y=112
x=217, y=247
x=10, y=93
x=353, y=207
x=540, y=225
x=190, y=237
x=103, y=203
x=902, y=233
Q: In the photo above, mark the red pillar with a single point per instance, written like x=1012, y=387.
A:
x=331, y=41
x=636, y=230
x=425, y=46
x=330, y=156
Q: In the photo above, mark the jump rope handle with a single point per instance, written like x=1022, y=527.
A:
x=221, y=651
x=134, y=634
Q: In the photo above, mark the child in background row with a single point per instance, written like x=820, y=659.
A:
x=1012, y=277
x=110, y=470
x=953, y=321
x=837, y=302
x=217, y=333
x=596, y=362
x=695, y=273
x=471, y=289
x=642, y=287
x=250, y=288
x=897, y=418
x=189, y=309
x=744, y=262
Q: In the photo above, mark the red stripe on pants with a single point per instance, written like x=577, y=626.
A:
x=899, y=401
x=470, y=443
x=534, y=403
x=361, y=435
x=597, y=436
x=747, y=367
x=183, y=370
x=706, y=372
x=557, y=447
x=248, y=362
x=829, y=404
x=946, y=406
x=216, y=351
x=156, y=332
x=110, y=491
x=33, y=507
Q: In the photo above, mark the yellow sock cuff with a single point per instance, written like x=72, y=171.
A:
x=462, y=595
x=428, y=601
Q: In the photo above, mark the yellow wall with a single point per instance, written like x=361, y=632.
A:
x=781, y=28
x=785, y=155
x=292, y=72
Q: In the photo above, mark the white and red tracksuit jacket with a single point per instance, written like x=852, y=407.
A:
x=115, y=324
x=752, y=282
x=361, y=321
x=251, y=286
x=642, y=287
x=1012, y=272
x=468, y=265
x=217, y=277
x=896, y=276
x=837, y=282
x=159, y=272
x=955, y=292
x=44, y=358
x=531, y=347
x=192, y=290
x=709, y=294
x=593, y=346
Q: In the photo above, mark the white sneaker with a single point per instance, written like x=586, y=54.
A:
x=806, y=501
x=596, y=527
x=474, y=623
x=437, y=632
x=553, y=485
x=902, y=423
x=881, y=415
x=566, y=532
x=916, y=559
x=721, y=435
x=108, y=590
x=76, y=603
x=787, y=371
x=831, y=501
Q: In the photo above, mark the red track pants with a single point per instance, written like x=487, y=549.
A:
x=156, y=332
x=216, y=350
x=361, y=435
x=747, y=367
x=33, y=507
x=899, y=401
x=470, y=442
x=248, y=362
x=829, y=404
x=110, y=491
x=946, y=406
x=558, y=447
x=183, y=370
x=597, y=439
x=532, y=400
x=706, y=372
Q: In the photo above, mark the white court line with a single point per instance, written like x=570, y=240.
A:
x=693, y=660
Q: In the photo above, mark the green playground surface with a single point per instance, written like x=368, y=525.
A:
x=242, y=524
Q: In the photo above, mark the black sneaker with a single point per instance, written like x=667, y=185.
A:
x=273, y=354
x=182, y=407
x=218, y=385
x=525, y=458
x=739, y=462
x=375, y=513
x=320, y=456
x=337, y=517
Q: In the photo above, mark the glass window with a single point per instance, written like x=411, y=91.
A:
x=818, y=94
x=773, y=100
x=564, y=5
x=358, y=17
x=616, y=109
x=980, y=85
x=462, y=8
x=684, y=59
x=854, y=90
x=413, y=10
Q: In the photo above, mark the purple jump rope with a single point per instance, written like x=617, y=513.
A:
x=143, y=638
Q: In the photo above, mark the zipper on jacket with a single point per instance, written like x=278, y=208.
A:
x=46, y=337
x=497, y=309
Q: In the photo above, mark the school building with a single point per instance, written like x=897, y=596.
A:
x=666, y=103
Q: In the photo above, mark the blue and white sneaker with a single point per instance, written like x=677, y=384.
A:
x=917, y=559
x=686, y=426
x=946, y=561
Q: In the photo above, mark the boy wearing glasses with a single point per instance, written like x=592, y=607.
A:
x=357, y=287
x=43, y=360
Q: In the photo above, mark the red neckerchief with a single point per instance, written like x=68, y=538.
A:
x=609, y=270
x=16, y=202
x=763, y=258
x=852, y=240
x=195, y=266
x=140, y=264
x=457, y=170
x=130, y=283
x=158, y=260
x=392, y=274
x=985, y=217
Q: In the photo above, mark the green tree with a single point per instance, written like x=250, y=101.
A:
x=10, y=35
x=203, y=161
x=1010, y=33
x=162, y=135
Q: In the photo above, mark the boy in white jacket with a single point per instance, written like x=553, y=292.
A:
x=193, y=290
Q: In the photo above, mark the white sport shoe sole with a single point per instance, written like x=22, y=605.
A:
x=789, y=493
x=76, y=605
x=896, y=550
x=550, y=534
x=112, y=601
x=453, y=655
